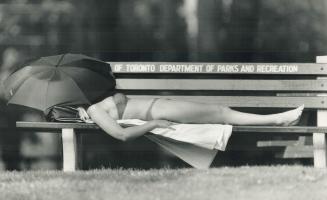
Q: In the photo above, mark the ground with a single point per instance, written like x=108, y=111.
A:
x=264, y=182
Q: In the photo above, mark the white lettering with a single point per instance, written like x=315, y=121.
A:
x=277, y=68
x=210, y=68
x=247, y=68
x=227, y=68
x=140, y=68
x=118, y=67
x=180, y=68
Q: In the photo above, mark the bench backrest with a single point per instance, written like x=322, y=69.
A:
x=277, y=85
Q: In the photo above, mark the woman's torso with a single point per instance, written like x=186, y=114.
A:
x=119, y=106
x=115, y=105
x=139, y=108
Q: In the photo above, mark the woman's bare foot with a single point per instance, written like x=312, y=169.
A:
x=289, y=118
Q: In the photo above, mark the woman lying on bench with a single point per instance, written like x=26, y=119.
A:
x=162, y=113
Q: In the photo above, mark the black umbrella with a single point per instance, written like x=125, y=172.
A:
x=67, y=79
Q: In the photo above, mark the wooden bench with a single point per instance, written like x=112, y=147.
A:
x=238, y=85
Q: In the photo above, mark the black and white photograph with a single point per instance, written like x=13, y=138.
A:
x=163, y=99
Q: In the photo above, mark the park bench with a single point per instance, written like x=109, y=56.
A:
x=238, y=85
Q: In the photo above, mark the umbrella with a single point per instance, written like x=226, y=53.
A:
x=67, y=79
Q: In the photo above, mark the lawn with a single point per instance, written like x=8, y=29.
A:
x=276, y=182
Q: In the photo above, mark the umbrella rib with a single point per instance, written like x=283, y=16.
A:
x=75, y=82
x=32, y=75
x=76, y=85
x=62, y=57
x=47, y=90
x=24, y=100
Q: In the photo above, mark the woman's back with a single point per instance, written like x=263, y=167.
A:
x=138, y=108
x=119, y=106
x=114, y=105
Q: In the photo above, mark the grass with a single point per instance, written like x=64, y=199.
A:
x=276, y=182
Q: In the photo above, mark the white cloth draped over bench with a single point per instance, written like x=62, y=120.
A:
x=196, y=144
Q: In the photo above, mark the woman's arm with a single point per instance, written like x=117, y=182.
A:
x=110, y=126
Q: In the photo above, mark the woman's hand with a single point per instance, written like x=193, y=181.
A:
x=83, y=115
x=164, y=124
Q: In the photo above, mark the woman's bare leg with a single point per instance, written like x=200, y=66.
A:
x=191, y=112
x=287, y=118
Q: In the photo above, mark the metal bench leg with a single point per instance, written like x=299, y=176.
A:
x=69, y=149
x=319, y=142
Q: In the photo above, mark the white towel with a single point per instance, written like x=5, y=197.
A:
x=197, y=157
x=209, y=136
x=197, y=144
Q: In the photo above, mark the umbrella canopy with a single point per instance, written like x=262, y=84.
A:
x=68, y=79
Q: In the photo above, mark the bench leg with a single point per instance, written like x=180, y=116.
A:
x=69, y=149
x=319, y=142
x=319, y=139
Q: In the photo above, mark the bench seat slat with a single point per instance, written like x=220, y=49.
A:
x=250, y=101
x=257, y=129
x=225, y=84
x=55, y=125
